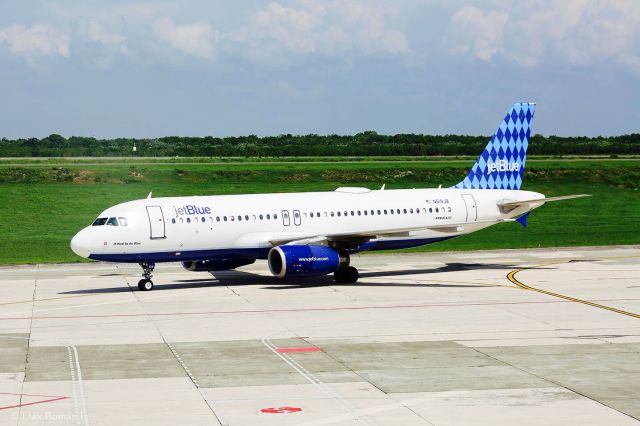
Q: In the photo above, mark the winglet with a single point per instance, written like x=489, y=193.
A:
x=522, y=220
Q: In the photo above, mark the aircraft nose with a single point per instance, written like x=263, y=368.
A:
x=80, y=244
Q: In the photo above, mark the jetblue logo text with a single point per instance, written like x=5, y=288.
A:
x=503, y=166
x=191, y=209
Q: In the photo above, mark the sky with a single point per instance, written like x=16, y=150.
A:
x=230, y=68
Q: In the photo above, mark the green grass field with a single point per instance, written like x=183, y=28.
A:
x=42, y=206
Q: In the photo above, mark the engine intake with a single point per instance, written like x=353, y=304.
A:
x=299, y=260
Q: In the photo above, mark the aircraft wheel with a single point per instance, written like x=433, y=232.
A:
x=346, y=276
x=145, y=285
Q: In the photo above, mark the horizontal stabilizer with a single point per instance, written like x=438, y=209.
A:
x=510, y=205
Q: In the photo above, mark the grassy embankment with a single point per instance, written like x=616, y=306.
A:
x=41, y=207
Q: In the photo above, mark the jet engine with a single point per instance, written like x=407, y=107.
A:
x=216, y=264
x=300, y=260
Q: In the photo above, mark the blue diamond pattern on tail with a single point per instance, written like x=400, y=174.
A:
x=501, y=164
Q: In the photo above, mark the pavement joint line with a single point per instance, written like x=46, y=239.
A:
x=345, y=404
x=511, y=277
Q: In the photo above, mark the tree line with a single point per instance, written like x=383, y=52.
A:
x=362, y=144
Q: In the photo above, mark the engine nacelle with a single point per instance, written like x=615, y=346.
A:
x=299, y=260
x=216, y=264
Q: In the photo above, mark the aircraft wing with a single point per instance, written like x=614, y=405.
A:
x=508, y=205
x=361, y=237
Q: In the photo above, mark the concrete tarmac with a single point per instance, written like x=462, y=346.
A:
x=544, y=336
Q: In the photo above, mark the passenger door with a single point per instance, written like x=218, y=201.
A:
x=156, y=222
x=297, y=219
x=286, y=220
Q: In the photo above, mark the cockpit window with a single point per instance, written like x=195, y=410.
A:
x=112, y=221
x=123, y=221
x=100, y=221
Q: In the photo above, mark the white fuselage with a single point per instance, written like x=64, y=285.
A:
x=204, y=227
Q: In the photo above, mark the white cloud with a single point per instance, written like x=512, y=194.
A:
x=578, y=31
x=478, y=32
x=37, y=40
x=323, y=27
x=197, y=39
x=97, y=31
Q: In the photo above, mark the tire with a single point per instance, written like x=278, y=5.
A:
x=145, y=285
x=346, y=276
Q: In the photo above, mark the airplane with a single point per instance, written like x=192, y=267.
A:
x=314, y=233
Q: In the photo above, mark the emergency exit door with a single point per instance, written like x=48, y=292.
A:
x=286, y=219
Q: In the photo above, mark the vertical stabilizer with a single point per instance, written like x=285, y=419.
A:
x=501, y=164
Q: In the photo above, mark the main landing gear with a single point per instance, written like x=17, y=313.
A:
x=348, y=275
x=146, y=284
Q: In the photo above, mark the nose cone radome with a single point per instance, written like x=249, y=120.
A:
x=81, y=244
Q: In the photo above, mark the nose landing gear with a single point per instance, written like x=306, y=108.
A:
x=146, y=284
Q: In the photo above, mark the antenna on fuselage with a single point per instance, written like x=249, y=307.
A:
x=149, y=196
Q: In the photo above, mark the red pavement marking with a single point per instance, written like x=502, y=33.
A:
x=288, y=350
x=281, y=410
x=52, y=398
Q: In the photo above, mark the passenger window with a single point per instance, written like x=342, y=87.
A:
x=352, y=213
x=233, y=218
x=217, y=218
x=318, y=213
x=99, y=221
x=112, y=221
x=311, y=214
x=173, y=220
x=239, y=218
x=188, y=220
x=359, y=213
x=181, y=221
x=275, y=216
x=385, y=211
x=261, y=217
x=366, y=212
x=379, y=213
x=404, y=211
x=391, y=211
x=254, y=217
x=246, y=217
x=430, y=210
x=203, y=219
x=268, y=216
x=225, y=218
x=332, y=214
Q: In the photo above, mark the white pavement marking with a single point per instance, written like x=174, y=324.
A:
x=342, y=402
x=78, y=387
